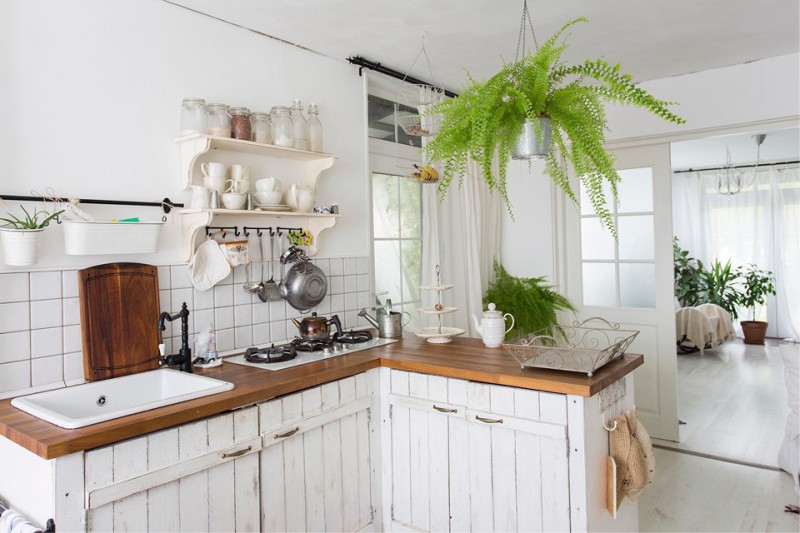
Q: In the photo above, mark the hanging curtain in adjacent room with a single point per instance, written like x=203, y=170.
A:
x=759, y=225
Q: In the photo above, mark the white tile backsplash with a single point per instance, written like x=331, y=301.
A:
x=14, y=287
x=45, y=285
x=40, y=334
x=46, y=314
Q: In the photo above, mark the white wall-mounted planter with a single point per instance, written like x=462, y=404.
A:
x=20, y=246
x=100, y=238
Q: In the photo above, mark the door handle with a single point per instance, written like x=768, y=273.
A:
x=287, y=434
x=237, y=454
x=489, y=420
x=444, y=409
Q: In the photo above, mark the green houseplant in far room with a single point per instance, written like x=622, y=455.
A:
x=532, y=301
x=757, y=285
x=487, y=118
x=720, y=286
x=20, y=236
x=689, y=276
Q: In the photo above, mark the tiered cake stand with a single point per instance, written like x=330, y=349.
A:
x=438, y=334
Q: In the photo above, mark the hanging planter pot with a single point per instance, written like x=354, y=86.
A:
x=532, y=144
x=20, y=246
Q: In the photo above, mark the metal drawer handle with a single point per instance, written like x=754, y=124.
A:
x=237, y=454
x=288, y=433
x=488, y=420
x=444, y=409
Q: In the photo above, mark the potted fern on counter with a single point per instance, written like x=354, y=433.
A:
x=20, y=236
x=488, y=118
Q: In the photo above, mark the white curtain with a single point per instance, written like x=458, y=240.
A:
x=462, y=236
x=759, y=225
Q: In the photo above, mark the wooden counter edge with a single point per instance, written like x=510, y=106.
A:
x=64, y=442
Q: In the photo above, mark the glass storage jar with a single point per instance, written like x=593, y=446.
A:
x=219, y=120
x=261, y=126
x=240, y=123
x=193, y=116
x=282, y=128
x=299, y=124
x=314, y=129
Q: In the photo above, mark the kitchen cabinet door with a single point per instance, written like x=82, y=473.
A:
x=315, y=464
x=201, y=476
x=471, y=456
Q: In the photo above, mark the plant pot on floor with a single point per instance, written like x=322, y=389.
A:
x=20, y=246
x=754, y=331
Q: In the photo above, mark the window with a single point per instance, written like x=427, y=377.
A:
x=383, y=125
x=622, y=273
x=397, y=240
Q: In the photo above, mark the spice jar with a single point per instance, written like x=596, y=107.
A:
x=193, y=116
x=219, y=120
x=240, y=123
x=282, y=129
x=261, y=128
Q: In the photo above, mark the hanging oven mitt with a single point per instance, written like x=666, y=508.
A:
x=208, y=266
x=641, y=435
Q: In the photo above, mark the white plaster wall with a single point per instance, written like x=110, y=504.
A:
x=90, y=99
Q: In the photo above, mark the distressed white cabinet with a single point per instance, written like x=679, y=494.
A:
x=316, y=460
x=201, y=476
x=471, y=456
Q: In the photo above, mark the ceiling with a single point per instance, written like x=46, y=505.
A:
x=778, y=146
x=650, y=39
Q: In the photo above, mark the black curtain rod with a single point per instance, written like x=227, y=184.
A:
x=751, y=165
x=377, y=67
x=166, y=204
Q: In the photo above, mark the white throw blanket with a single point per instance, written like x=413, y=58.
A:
x=724, y=324
x=693, y=326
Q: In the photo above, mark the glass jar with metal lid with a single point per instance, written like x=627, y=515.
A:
x=261, y=128
x=240, y=123
x=219, y=120
x=282, y=126
x=193, y=116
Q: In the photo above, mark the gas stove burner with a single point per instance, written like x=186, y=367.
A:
x=272, y=354
x=353, y=337
x=311, y=345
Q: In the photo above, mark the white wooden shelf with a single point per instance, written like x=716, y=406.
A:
x=195, y=220
x=287, y=161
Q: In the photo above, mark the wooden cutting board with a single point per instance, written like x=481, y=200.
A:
x=119, y=315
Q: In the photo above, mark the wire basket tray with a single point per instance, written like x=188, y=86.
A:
x=577, y=348
x=417, y=125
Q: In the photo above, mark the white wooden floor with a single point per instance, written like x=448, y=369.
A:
x=733, y=400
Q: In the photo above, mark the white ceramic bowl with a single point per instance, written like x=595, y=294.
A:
x=269, y=197
x=233, y=200
x=268, y=184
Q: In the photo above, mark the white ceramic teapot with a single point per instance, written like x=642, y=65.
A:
x=300, y=199
x=492, y=327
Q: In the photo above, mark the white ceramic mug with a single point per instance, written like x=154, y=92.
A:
x=212, y=169
x=240, y=178
x=201, y=197
x=215, y=183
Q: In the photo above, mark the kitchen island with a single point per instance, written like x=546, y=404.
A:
x=408, y=435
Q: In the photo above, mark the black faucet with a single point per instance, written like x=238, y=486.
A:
x=184, y=356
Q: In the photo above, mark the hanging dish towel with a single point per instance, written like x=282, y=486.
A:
x=208, y=266
x=641, y=435
x=628, y=455
x=13, y=522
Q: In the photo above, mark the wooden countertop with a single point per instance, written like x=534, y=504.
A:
x=464, y=358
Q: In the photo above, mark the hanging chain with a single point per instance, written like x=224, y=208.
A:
x=525, y=19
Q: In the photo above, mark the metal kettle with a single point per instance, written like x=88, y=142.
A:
x=317, y=327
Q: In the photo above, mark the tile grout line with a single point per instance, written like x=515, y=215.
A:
x=717, y=458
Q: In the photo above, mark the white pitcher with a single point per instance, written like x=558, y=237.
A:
x=300, y=199
x=492, y=327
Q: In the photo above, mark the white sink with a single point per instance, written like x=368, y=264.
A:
x=83, y=405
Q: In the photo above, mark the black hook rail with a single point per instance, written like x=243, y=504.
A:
x=166, y=204
x=224, y=229
x=258, y=230
x=245, y=230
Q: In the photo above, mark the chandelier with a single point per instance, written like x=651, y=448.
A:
x=729, y=179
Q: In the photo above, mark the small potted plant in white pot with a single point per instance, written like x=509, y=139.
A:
x=757, y=284
x=20, y=236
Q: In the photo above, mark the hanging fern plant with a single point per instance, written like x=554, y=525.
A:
x=487, y=118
